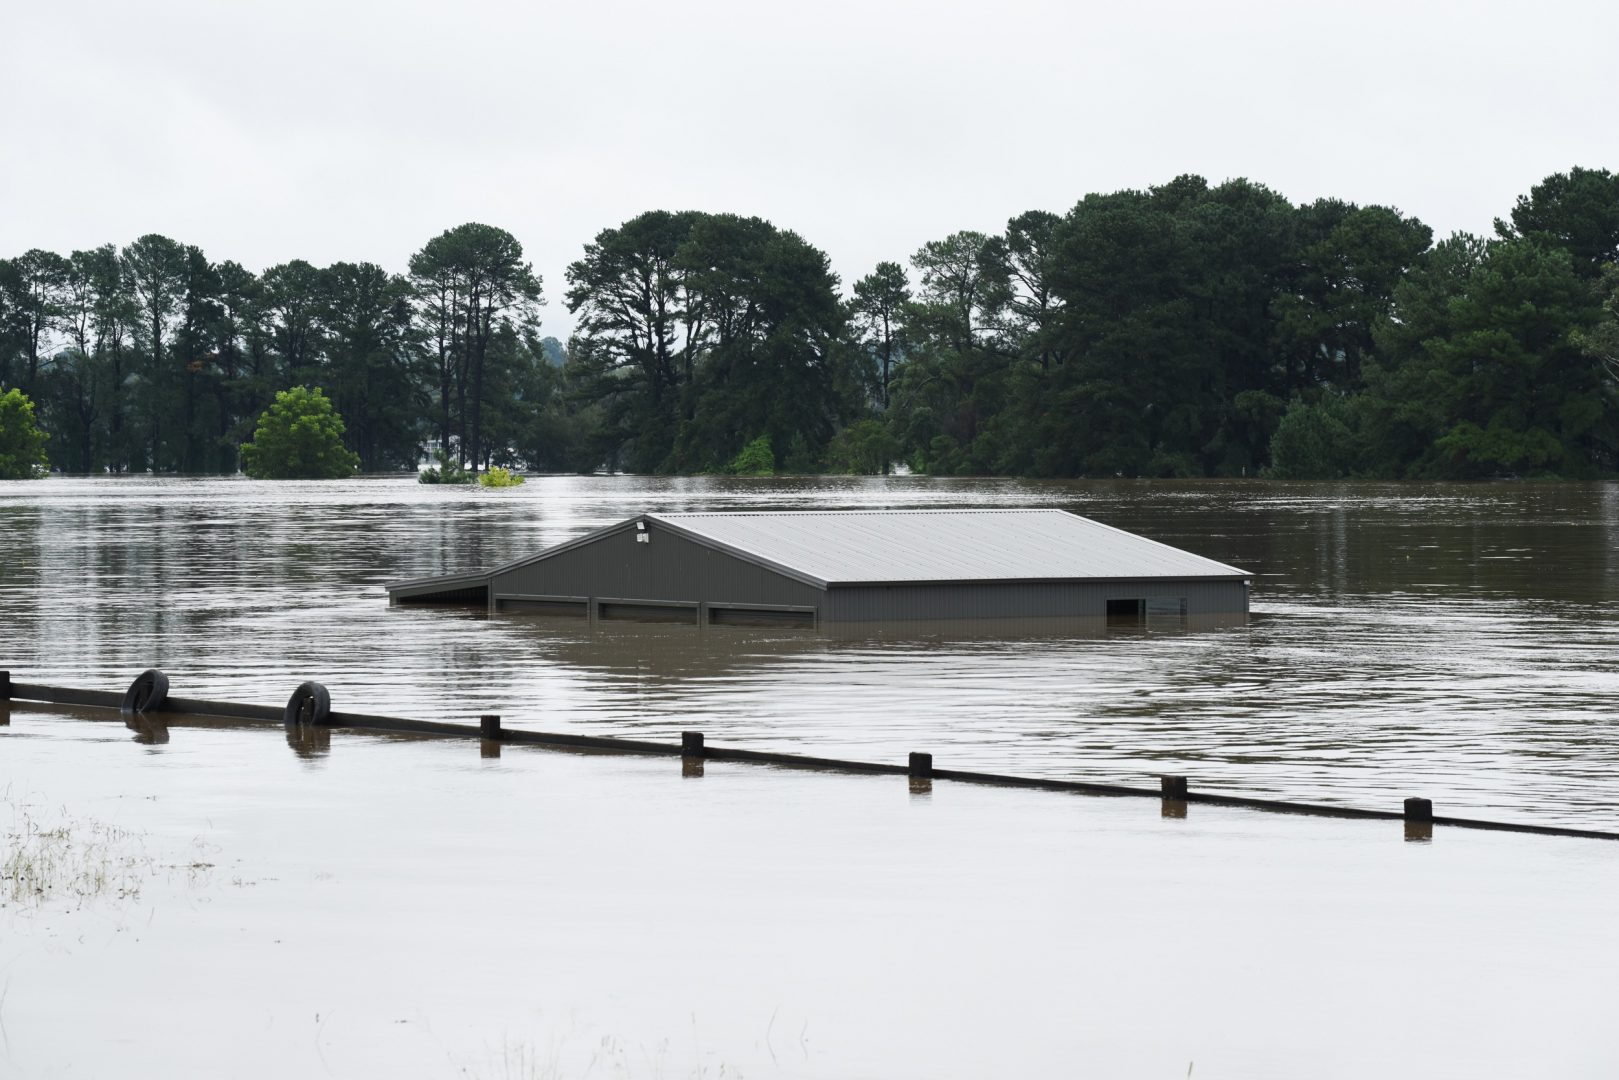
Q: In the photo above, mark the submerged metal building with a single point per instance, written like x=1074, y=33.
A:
x=813, y=568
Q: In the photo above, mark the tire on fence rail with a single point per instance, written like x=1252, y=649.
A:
x=309, y=704
x=147, y=693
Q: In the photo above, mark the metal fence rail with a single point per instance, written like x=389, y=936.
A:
x=1173, y=791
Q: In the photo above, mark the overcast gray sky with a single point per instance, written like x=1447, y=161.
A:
x=334, y=130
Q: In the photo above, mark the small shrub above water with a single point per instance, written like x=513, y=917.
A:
x=497, y=477
x=448, y=471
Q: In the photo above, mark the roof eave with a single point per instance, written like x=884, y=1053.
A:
x=443, y=583
x=1239, y=575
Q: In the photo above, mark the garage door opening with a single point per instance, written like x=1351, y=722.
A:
x=1130, y=612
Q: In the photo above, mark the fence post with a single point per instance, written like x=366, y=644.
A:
x=920, y=771
x=1418, y=819
x=5, y=686
x=691, y=754
x=489, y=728
x=1172, y=790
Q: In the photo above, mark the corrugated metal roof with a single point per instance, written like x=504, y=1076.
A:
x=872, y=547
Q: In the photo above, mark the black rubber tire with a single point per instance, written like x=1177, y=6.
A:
x=309, y=704
x=147, y=693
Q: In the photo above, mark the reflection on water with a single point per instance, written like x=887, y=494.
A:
x=309, y=741
x=149, y=731
x=1451, y=641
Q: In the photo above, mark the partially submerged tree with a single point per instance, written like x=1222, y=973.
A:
x=878, y=305
x=471, y=284
x=755, y=459
x=700, y=332
x=22, y=444
x=299, y=437
x=34, y=286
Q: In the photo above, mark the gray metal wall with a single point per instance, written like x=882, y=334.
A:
x=885, y=602
x=668, y=568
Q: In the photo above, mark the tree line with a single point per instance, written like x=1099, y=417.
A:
x=1187, y=329
x=151, y=357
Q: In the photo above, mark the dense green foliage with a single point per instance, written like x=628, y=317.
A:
x=299, y=437
x=698, y=332
x=1185, y=330
x=150, y=357
x=754, y=459
x=22, y=444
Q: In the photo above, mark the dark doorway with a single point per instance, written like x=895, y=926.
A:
x=1126, y=612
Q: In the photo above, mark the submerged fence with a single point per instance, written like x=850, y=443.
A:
x=309, y=711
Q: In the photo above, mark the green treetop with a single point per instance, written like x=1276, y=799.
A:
x=22, y=444
x=299, y=437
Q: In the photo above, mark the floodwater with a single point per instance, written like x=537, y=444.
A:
x=400, y=908
x=1457, y=642
x=224, y=902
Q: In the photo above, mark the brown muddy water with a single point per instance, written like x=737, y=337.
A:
x=1459, y=642
x=408, y=908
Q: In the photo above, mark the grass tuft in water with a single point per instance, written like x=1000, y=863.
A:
x=82, y=859
x=45, y=858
